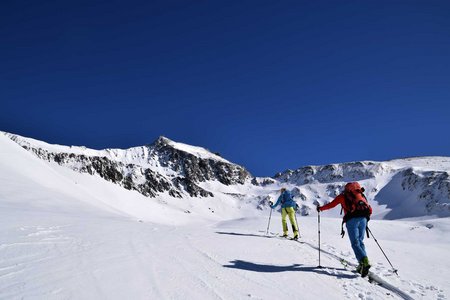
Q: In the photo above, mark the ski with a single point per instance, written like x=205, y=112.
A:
x=285, y=238
x=297, y=240
x=374, y=279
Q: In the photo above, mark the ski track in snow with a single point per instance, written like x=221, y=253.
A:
x=416, y=289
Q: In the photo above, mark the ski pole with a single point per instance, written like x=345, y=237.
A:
x=394, y=269
x=318, y=226
x=298, y=229
x=268, y=224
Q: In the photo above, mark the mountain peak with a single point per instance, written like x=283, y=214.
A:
x=200, y=152
x=162, y=140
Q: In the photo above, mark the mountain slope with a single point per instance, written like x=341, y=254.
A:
x=28, y=182
x=164, y=166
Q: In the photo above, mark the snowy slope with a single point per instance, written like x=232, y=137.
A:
x=32, y=183
x=70, y=235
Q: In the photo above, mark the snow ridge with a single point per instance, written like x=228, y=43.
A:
x=164, y=166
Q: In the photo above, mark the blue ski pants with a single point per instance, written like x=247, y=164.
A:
x=356, y=229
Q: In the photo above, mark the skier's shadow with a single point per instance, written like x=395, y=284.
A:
x=249, y=266
x=244, y=234
x=262, y=268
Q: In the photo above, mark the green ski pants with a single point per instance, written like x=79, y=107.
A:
x=289, y=211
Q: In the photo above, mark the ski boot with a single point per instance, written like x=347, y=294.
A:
x=365, y=266
x=359, y=268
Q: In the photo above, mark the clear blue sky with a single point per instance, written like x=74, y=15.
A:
x=270, y=85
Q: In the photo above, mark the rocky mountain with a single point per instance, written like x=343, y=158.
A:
x=161, y=167
x=333, y=173
x=411, y=187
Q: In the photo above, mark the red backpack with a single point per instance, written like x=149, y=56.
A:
x=356, y=202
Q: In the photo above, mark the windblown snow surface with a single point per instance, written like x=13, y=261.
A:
x=67, y=235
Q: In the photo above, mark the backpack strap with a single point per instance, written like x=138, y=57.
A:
x=344, y=219
x=342, y=229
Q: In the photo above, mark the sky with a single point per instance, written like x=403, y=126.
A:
x=270, y=85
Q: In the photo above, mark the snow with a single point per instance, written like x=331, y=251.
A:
x=139, y=155
x=425, y=163
x=66, y=235
x=196, y=151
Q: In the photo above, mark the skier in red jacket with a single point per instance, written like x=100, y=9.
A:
x=357, y=213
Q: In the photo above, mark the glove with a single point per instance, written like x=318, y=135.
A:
x=318, y=208
x=270, y=203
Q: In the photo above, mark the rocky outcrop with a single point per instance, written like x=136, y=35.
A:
x=150, y=170
x=130, y=176
x=196, y=169
x=332, y=173
x=431, y=188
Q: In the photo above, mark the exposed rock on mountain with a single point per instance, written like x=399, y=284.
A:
x=164, y=166
x=415, y=193
x=333, y=173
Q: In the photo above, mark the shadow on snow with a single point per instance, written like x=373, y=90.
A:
x=245, y=234
x=272, y=236
x=262, y=268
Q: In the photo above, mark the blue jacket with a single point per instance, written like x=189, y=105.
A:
x=286, y=200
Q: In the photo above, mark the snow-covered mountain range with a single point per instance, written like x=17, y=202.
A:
x=402, y=188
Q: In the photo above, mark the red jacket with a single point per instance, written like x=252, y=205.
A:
x=339, y=200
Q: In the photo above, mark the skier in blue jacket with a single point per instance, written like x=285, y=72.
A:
x=288, y=206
